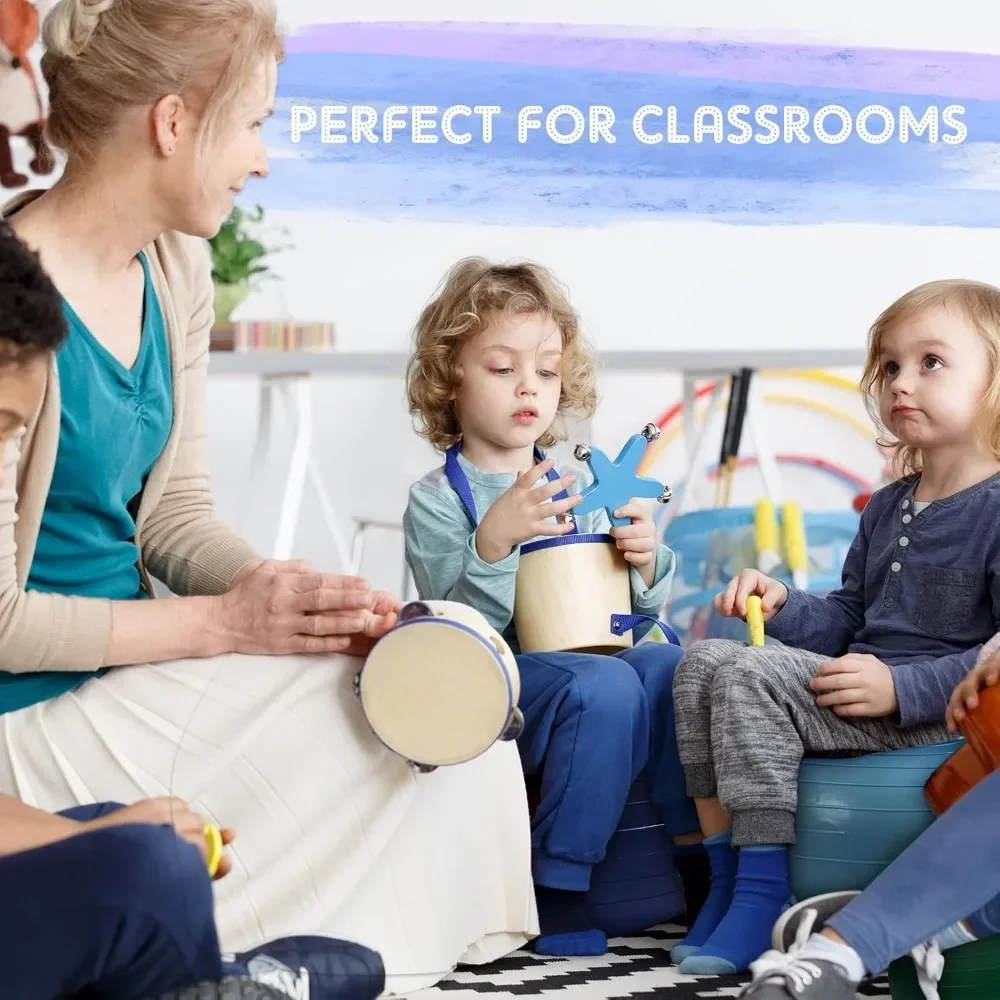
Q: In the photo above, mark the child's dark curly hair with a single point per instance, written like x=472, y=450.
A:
x=31, y=316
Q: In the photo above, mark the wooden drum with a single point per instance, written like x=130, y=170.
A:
x=567, y=591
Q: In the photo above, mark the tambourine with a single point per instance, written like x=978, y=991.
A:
x=972, y=762
x=441, y=687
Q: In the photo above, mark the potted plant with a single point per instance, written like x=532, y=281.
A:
x=237, y=259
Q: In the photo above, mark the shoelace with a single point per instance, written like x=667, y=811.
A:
x=929, y=961
x=294, y=984
x=778, y=967
x=786, y=968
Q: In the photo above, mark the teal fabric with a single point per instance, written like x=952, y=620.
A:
x=114, y=425
x=441, y=550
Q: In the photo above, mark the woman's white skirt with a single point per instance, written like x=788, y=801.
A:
x=336, y=834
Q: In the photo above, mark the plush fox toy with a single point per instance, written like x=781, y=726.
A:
x=21, y=109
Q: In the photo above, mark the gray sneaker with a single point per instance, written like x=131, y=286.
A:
x=786, y=926
x=796, y=973
x=815, y=913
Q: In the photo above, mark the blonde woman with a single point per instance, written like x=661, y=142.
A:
x=158, y=105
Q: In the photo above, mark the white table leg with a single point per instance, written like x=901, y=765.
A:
x=348, y=564
x=767, y=463
x=689, y=411
x=261, y=449
x=699, y=445
x=298, y=395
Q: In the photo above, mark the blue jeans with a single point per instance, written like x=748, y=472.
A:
x=120, y=914
x=592, y=724
x=949, y=873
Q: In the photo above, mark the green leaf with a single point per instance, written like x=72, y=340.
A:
x=236, y=254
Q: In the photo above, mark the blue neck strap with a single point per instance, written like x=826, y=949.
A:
x=459, y=481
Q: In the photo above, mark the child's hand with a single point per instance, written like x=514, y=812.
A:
x=521, y=512
x=187, y=824
x=732, y=602
x=965, y=697
x=637, y=541
x=855, y=685
x=376, y=624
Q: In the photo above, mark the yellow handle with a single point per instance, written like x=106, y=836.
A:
x=765, y=527
x=213, y=837
x=755, y=621
x=794, y=532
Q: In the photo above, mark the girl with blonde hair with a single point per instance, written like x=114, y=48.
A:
x=870, y=666
x=158, y=106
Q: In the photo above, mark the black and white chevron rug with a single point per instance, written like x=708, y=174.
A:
x=633, y=967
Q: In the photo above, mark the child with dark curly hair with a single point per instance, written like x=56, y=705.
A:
x=499, y=366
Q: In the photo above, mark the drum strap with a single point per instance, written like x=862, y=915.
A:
x=459, y=482
x=620, y=624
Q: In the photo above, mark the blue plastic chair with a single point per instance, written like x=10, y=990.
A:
x=636, y=886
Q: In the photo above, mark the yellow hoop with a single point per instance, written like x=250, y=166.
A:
x=659, y=446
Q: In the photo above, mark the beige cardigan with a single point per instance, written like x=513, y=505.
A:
x=181, y=540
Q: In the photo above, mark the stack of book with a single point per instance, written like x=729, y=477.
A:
x=273, y=335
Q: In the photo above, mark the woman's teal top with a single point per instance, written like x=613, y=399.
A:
x=114, y=425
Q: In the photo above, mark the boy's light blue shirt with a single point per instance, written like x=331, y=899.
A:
x=441, y=549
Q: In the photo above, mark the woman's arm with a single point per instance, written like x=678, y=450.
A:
x=273, y=608
x=184, y=541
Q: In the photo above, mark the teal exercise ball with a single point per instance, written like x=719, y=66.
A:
x=857, y=814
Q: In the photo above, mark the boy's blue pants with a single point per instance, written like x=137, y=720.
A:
x=592, y=725
x=122, y=913
x=950, y=872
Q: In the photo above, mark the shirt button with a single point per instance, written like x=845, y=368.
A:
x=907, y=518
x=904, y=541
x=896, y=567
x=906, y=503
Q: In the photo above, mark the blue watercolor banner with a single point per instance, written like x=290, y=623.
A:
x=541, y=182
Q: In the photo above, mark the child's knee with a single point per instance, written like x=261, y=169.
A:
x=750, y=673
x=701, y=663
x=611, y=692
x=150, y=869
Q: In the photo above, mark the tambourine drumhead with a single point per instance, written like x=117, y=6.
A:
x=436, y=692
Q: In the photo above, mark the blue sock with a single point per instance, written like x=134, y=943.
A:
x=566, y=925
x=722, y=862
x=744, y=934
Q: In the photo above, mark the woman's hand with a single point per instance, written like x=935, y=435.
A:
x=187, y=824
x=277, y=607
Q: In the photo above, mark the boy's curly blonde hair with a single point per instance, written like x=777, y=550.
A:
x=472, y=293
x=979, y=304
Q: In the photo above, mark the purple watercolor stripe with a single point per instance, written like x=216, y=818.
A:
x=940, y=74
